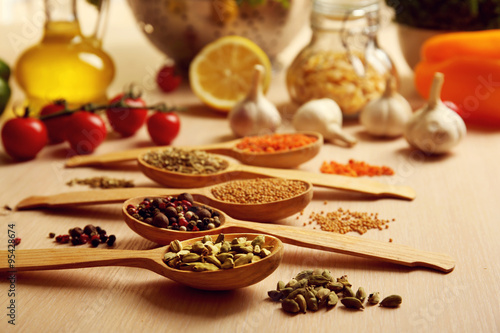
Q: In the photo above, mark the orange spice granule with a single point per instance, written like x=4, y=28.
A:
x=344, y=221
x=275, y=142
x=355, y=169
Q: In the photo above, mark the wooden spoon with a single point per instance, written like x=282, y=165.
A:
x=227, y=279
x=283, y=159
x=240, y=171
x=265, y=212
x=321, y=240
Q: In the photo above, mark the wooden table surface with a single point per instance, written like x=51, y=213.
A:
x=456, y=212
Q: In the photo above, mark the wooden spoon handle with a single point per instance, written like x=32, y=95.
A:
x=93, y=197
x=48, y=259
x=353, y=184
x=224, y=148
x=356, y=246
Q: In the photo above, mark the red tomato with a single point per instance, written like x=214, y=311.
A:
x=85, y=132
x=167, y=79
x=124, y=120
x=23, y=138
x=163, y=127
x=56, y=126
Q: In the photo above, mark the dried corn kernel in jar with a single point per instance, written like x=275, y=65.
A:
x=342, y=61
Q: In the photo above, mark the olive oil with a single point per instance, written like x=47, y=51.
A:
x=64, y=65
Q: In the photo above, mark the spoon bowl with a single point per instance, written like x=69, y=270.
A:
x=228, y=279
x=280, y=159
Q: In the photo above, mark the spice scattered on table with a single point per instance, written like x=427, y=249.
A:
x=210, y=255
x=177, y=213
x=259, y=190
x=313, y=289
x=343, y=221
x=93, y=235
x=102, y=182
x=185, y=161
x=275, y=142
x=17, y=241
x=355, y=169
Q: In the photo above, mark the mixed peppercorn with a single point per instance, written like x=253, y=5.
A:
x=176, y=213
x=94, y=235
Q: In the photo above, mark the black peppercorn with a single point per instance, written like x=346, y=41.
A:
x=103, y=238
x=75, y=232
x=111, y=240
x=52, y=235
x=89, y=230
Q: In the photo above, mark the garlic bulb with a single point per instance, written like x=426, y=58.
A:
x=435, y=128
x=323, y=116
x=386, y=116
x=255, y=114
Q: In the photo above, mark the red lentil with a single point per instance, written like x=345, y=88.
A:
x=275, y=142
x=355, y=169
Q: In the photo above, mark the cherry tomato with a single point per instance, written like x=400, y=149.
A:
x=124, y=120
x=167, y=79
x=163, y=127
x=23, y=138
x=85, y=132
x=56, y=126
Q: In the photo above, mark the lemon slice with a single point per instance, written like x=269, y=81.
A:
x=221, y=73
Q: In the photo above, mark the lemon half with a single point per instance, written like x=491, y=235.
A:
x=221, y=73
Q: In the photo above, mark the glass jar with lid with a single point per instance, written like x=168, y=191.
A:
x=343, y=60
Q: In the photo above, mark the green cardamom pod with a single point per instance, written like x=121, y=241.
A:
x=264, y=253
x=175, y=246
x=198, y=247
x=223, y=256
x=344, y=281
x=226, y=247
x=211, y=249
x=301, y=301
x=312, y=302
x=286, y=291
x=332, y=300
x=243, y=260
x=202, y=267
x=219, y=239
x=335, y=286
x=374, y=298
x=292, y=284
x=280, y=285
x=275, y=295
x=169, y=256
x=295, y=292
x=259, y=240
x=227, y=264
x=213, y=260
x=348, y=292
x=327, y=274
x=392, y=301
x=352, y=303
x=255, y=259
x=289, y=305
x=191, y=257
x=304, y=274
x=206, y=238
x=256, y=249
x=361, y=294
x=316, y=279
x=322, y=295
